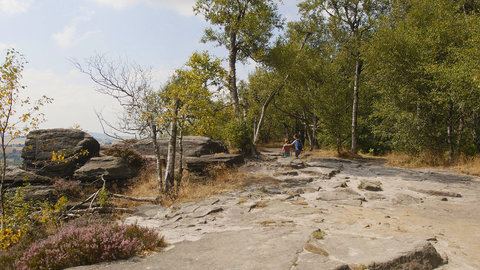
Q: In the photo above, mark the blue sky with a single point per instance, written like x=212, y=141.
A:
x=157, y=33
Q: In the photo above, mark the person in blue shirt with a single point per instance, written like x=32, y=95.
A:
x=298, y=145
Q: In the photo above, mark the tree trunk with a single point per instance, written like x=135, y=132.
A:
x=460, y=127
x=476, y=129
x=314, y=132
x=158, y=159
x=3, y=171
x=232, y=76
x=307, y=129
x=170, y=168
x=358, y=68
x=180, y=170
x=287, y=133
x=339, y=144
x=450, y=134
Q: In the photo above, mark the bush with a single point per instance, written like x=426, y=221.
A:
x=70, y=188
x=238, y=135
x=74, y=246
x=128, y=154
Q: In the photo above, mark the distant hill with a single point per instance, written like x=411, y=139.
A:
x=102, y=138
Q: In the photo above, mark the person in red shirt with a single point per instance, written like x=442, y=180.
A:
x=286, y=148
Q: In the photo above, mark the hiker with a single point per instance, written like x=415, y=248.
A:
x=298, y=145
x=286, y=148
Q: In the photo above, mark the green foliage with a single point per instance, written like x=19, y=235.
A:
x=250, y=22
x=104, y=197
x=128, y=154
x=238, y=135
x=18, y=115
x=422, y=72
x=22, y=215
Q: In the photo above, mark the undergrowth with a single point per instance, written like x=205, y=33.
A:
x=80, y=242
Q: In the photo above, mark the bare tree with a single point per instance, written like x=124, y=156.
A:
x=131, y=85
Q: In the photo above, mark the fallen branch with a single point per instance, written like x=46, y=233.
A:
x=152, y=200
x=102, y=210
x=86, y=200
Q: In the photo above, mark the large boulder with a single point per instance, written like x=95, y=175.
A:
x=15, y=177
x=76, y=147
x=202, y=163
x=193, y=146
x=113, y=169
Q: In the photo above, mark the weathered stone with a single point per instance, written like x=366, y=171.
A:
x=294, y=163
x=193, y=146
x=199, y=164
x=15, y=177
x=75, y=145
x=439, y=193
x=424, y=256
x=113, y=169
x=286, y=173
x=41, y=193
x=370, y=185
x=344, y=194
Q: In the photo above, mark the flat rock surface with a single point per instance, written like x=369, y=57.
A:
x=113, y=169
x=273, y=225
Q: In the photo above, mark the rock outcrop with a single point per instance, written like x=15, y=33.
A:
x=113, y=169
x=75, y=146
x=193, y=146
x=15, y=177
x=199, y=164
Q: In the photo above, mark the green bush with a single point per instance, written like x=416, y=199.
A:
x=128, y=154
x=238, y=135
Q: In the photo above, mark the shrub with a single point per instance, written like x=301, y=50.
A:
x=70, y=188
x=128, y=154
x=238, y=135
x=73, y=246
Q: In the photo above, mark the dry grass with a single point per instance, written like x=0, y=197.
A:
x=468, y=166
x=464, y=165
x=193, y=188
x=328, y=153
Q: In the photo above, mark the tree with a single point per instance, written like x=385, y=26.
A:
x=18, y=115
x=421, y=66
x=187, y=102
x=131, y=85
x=244, y=27
x=350, y=22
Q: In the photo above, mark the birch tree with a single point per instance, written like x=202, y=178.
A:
x=18, y=114
x=244, y=27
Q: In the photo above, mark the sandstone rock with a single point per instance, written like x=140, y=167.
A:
x=345, y=194
x=294, y=163
x=15, y=177
x=199, y=164
x=113, y=169
x=438, y=193
x=71, y=143
x=423, y=256
x=193, y=146
x=41, y=193
x=370, y=185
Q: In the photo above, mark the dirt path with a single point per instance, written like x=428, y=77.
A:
x=322, y=214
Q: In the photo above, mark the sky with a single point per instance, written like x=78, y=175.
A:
x=160, y=34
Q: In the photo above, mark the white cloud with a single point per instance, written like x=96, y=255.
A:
x=69, y=34
x=184, y=7
x=14, y=6
x=66, y=37
x=75, y=100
